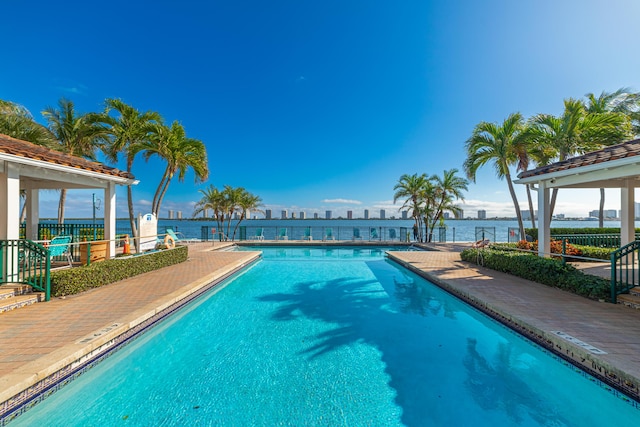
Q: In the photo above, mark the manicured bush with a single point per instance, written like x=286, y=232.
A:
x=79, y=279
x=595, y=252
x=547, y=271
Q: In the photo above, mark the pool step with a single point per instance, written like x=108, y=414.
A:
x=14, y=296
x=632, y=299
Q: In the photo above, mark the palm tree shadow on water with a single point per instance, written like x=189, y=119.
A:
x=364, y=312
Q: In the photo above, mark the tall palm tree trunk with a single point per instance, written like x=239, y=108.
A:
x=531, y=210
x=512, y=192
x=601, y=212
x=63, y=196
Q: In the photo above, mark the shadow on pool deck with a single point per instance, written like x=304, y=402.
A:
x=39, y=340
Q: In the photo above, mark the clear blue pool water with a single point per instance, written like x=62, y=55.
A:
x=330, y=337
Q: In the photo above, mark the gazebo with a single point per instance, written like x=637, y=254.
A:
x=29, y=167
x=617, y=166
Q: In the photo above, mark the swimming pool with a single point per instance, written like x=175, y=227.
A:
x=312, y=336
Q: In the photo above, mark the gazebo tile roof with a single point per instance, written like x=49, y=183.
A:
x=28, y=150
x=614, y=152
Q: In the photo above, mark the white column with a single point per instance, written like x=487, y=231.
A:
x=10, y=200
x=33, y=212
x=627, y=213
x=110, y=219
x=544, y=221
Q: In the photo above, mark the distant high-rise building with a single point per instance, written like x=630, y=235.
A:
x=382, y=214
x=349, y=214
x=170, y=214
x=327, y=214
x=366, y=214
x=482, y=214
x=315, y=215
x=460, y=214
x=303, y=215
x=267, y=214
x=445, y=215
x=283, y=214
x=293, y=215
x=179, y=214
x=405, y=214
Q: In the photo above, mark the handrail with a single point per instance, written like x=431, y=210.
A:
x=24, y=261
x=624, y=274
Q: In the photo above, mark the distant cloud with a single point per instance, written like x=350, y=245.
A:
x=347, y=201
x=301, y=79
x=72, y=88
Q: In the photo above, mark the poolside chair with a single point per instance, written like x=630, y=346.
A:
x=258, y=235
x=283, y=234
x=307, y=234
x=373, y=235
x=61, y=246
x=481, y=243
x=328, y=234
x=392, y=234
x=356, y=234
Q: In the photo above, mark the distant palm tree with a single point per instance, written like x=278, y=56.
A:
x=410, y=188
x=575, y=132
x=621, y=102
x=17, y=122
x=502, y=145
x=180, y=153
x=447, y=191
x=212, y=200
x=247, y=202
x=130, y=130
x=76, y=135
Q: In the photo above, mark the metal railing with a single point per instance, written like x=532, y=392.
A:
x=624, y=269
x=27, y=262
x=610, y=240
x=372, y=234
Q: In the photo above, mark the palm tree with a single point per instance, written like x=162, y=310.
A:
x=180, y=153
x=447, y=191
x=17, y=122
x=410, y=187
x=504, y=146
x=247, y=202
x=129, y=130
x=621, y=102
x=76, y=134
x=576, y=132
x=213, y=200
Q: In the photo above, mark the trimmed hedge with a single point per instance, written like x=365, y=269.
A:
x=586, y=230
x=547, y=271
x=79, y=279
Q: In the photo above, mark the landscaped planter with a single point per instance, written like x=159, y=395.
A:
x=98, y=251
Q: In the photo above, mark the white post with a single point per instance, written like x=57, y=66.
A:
x=33, y=213
x=627, y=213
x=544, y=221
x=110, y=219
x=10, y=218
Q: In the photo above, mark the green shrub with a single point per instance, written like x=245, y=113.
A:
x=547, y=271
x=79, y=279
x=595, y=252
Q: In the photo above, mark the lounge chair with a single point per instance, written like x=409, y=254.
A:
x=61, y=246
x=392, y=234
x=258, y=235
x=481, y=243
x=374, y=234
x=178, y=237
x=307, y=234
x=328, y=234
x=283, y=234
x=356, y=234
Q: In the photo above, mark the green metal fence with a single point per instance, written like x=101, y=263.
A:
x=27, y=262
x=624, y=269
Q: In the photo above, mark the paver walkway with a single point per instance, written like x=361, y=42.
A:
x=37, y=340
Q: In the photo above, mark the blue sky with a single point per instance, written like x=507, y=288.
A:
x=317, y=105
